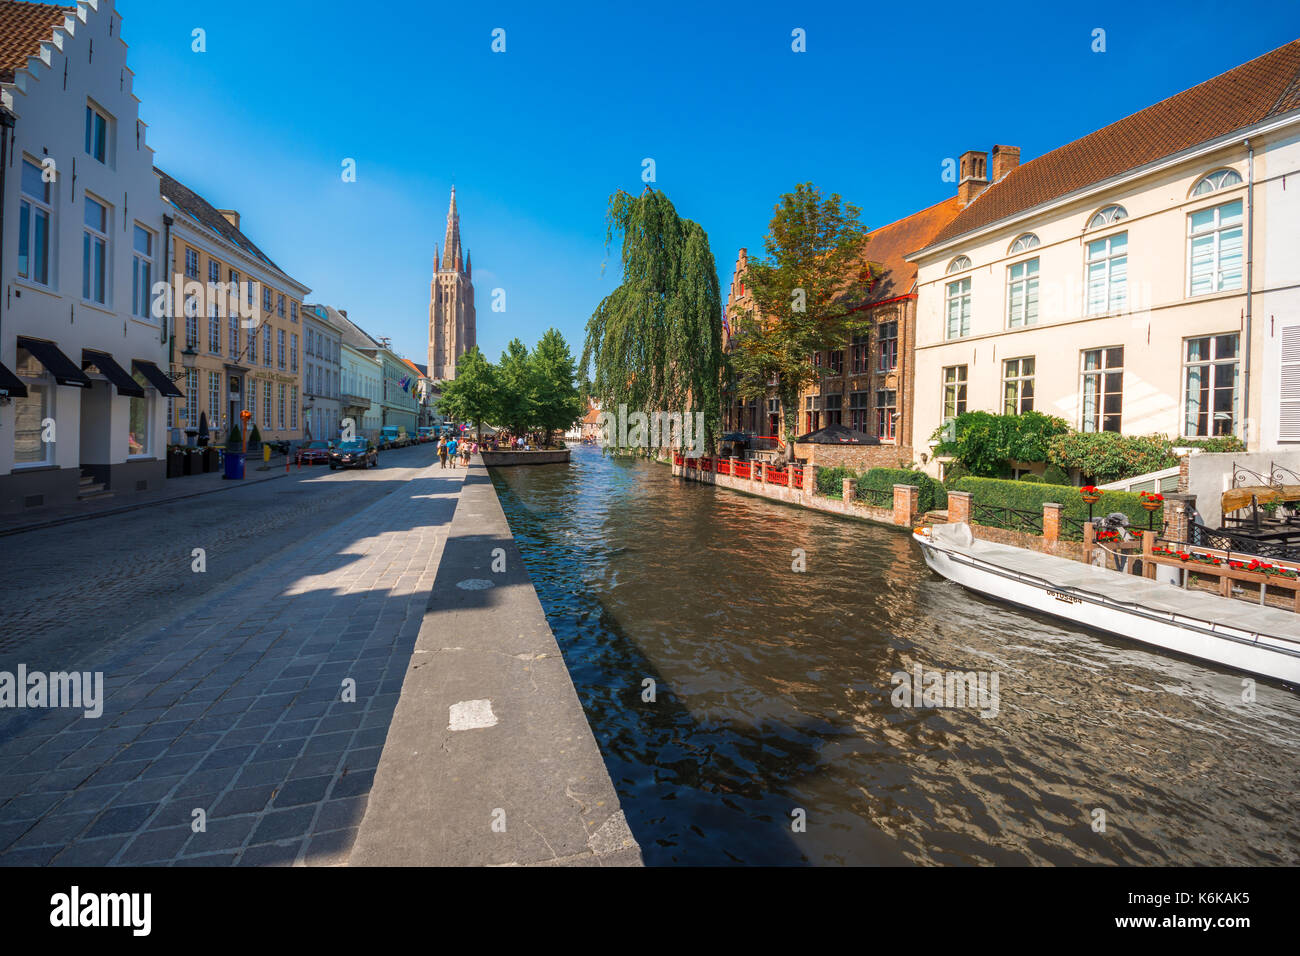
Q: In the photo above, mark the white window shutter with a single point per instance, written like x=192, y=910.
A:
x=1289, y=405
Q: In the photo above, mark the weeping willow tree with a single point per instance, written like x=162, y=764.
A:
x=655, y=342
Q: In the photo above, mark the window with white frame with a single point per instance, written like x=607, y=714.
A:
x=214, y=329
x=94, y=250
x=1214, y=249
x=958, y=308
x=191, y=322
x=1022, y=293
x=97, y=130
x=1211, y=383
x=191, y=409
x=1219, y=179
x=1107, y=217
x=35, y=214
x=214, y=398
x=141, y=270
x=1023, y=244
x=293, y=407
x=234, y=336
x=279, y=307
x=887, y=351
x=280, y=396
x=279, y=347
x=958, y=264
x=954, y=391
x=1103, y=389
x=31, y=412
x=266, y=405
x=266, y=300
x=1018, y=385
x=886, y=413
x=859, y=352
x=293, y=311
x=1288, y=411
x=266, y=346
x=214, y=271
x=191, y=263
x=1108, y=274
x=293, y=351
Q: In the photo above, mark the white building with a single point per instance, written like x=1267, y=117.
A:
x=361, y=393
x=1132, y=280
x=82, y=396
x=321, y=373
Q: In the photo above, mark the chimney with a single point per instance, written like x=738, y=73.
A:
x=974, y=176
x=1005, y=159
x=343, y=312
x=232, y=217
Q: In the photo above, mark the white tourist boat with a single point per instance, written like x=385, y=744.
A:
x=1237, y=634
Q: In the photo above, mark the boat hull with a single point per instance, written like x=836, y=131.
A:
x=1235, y=648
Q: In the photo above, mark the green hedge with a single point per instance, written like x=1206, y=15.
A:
x=830, y=481
x=932, y=494
x=1031, y=496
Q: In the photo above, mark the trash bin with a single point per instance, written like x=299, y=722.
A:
x=234, y=464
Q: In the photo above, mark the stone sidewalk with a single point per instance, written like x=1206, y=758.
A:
x=235, y=709
x=489, y=758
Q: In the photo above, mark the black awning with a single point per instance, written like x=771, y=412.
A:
x=166, y=387
x=837, y=435
x=11, y=385
x=125, y=384
x=55, y=362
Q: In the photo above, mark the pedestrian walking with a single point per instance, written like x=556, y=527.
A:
x=442, y=451
x=451, y=450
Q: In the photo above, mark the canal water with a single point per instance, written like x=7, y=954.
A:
x=772, y=737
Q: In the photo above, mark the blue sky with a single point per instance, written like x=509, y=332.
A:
x=537, y=137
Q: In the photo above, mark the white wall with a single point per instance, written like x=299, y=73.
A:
x=51, y=123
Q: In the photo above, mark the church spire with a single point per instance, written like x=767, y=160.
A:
x=451, y=247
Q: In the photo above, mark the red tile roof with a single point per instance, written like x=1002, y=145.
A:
x=1265, y=87
x=23, y=28
x=889, y=244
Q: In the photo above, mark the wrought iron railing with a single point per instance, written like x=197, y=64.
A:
x=1010, y=519
x=1285, y=549
x=876, y=497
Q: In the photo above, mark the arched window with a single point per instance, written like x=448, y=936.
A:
x=1219, y=179
x=961, y=262
x=1024, y=244
x=1108, y=217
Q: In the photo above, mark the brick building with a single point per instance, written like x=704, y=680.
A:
x=868, y=383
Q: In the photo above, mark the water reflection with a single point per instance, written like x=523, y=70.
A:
x=773, y=695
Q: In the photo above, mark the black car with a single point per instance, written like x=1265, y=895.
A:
x=358, y=453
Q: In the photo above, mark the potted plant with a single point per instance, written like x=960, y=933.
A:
x=175, y=461
x=234, y=453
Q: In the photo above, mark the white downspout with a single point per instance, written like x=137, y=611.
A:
x=1250, y=285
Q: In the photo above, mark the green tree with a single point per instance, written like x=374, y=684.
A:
x=806, y=296
x=655, y=342
x=986, y=444
x=557, y=401
x=516, y=401
x=472, y=395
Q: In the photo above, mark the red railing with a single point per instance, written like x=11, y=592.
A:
x=741, y=470
x=777, y=476
x=724, y=466
x=796, y=476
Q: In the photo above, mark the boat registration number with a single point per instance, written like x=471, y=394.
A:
x=1062, y=596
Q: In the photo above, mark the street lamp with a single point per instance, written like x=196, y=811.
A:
x=188, y=355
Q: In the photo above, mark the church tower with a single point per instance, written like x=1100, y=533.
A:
x=452, y=322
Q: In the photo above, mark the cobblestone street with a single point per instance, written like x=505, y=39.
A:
x=224, y=689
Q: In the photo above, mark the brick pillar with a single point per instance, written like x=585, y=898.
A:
x=958, y=507
x=1052, y=521
x=1184, y=473
x=907, y=504
x=731, y=470
x=1177, y=517
x=850, y=489
x=810, y=479
x=759, y=472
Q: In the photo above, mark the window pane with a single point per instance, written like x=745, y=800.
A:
x=33, y=183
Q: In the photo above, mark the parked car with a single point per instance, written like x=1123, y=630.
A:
x=357, y=453
x=314, y=453
x=428, y=433
x=394, y=436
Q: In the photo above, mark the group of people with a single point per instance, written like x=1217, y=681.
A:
x=449, y=449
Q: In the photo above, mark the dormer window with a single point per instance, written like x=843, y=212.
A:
x=1107, y=217
x=1024, y=244
x=1220, y=179
x=958, y=264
